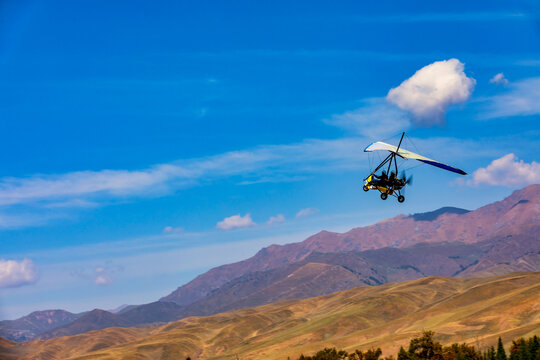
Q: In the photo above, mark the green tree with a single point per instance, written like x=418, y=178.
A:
x=461, y=352
x=404, y=355
x=330, y=354
x=501, y=353
x=491, y=354
x=372, y=354
x=534, y=348
x=425, y=347
x=523, y=353
x=514, y=350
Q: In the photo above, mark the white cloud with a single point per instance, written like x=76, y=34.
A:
x=431, y=90
x=102, y=277
x=170, y=229
x=235, y=221
x=17, y=273
x=102, y=280
x=279, y=218
x=499, y=79
x=306, y=212
x=508, y=171
x=521, y=99
x=376, y=118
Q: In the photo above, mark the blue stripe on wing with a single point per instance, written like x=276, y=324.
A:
x=444, y=166
x=368, y=146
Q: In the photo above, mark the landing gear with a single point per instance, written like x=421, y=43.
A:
x=365, y=188
x=384, y=196
x=401, y=198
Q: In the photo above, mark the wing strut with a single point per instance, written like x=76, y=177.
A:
x=389, y=157
x=394, y=155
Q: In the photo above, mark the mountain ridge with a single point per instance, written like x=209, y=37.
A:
x=475, y=311
x=473, y=226
x=35, y=323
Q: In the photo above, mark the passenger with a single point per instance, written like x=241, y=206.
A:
x=392, y=180
x=381, y=180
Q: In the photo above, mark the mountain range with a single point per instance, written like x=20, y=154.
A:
x=498, y=238
x=517, y=214
x=474, y=310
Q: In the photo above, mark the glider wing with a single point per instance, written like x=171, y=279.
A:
x=406, y=154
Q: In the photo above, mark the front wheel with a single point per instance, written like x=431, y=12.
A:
x=365, y=188
x=401, y=198
x=384, y=196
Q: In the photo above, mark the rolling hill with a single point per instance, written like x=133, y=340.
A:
x=475, y=310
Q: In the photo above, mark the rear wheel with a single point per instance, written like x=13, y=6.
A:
x=365, y=188
x=384, y=196
x=401, y=198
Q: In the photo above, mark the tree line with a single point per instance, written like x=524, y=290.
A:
x=425, y=347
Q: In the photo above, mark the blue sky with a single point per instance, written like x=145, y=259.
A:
x=130, y=130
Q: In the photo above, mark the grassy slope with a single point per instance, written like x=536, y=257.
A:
x=472, y=310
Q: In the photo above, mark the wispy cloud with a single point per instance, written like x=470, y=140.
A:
x=170, y=229
x=307, y=212
x=528, y=62
x=57, y=188
x=431, y=90
x=447, y=17
x=17, y=273
x=375, y=118
x=522, y=98
x=39, y=199
x=32, y=217
x=86, y=188
x=98, y=275
x=279, y=218
x=102, y=280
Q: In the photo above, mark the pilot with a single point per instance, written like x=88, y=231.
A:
x=381, y=180
x=392, y=179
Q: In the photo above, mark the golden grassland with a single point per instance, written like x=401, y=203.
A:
x=475, y=311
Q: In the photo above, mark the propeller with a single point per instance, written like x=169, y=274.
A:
x=408, y=180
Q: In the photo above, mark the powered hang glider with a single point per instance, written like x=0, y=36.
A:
x=392, y=185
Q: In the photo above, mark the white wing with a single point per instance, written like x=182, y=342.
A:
x=406, y=154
